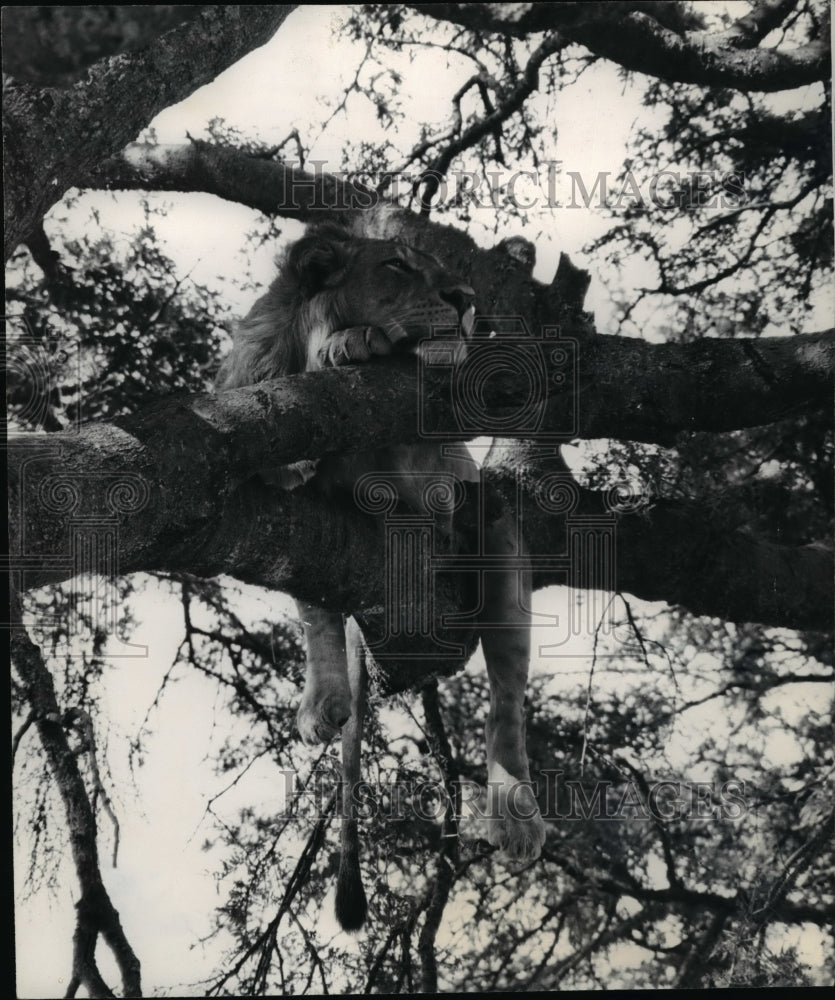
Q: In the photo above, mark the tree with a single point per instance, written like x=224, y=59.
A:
x=720, y=400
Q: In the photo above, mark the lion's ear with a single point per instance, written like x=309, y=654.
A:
x=319, y=261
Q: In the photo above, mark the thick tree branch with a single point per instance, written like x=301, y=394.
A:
x=634, y=35
x=269, y=186
x=165, y=489
x=627, y=389
x=191, y=450
x=52, y=46
x=54, y=138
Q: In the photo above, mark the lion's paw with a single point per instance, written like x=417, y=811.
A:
x=357, y=343
x=289, y=477
x=519, y=840
x=515, y=825
x=320, y=719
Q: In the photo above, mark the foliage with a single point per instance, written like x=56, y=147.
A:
x=118, y=328
x=743, y=187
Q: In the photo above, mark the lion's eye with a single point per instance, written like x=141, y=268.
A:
x=396, y=264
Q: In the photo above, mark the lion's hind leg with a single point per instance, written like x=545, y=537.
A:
x=326, y=700
x=514, y=822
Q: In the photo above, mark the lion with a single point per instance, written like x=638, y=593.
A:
x=340, y=299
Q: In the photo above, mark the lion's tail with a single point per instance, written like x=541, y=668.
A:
x=351, y=905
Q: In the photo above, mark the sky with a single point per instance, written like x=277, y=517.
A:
x=163, y=820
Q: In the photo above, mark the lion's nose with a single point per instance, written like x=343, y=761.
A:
x=459, y=296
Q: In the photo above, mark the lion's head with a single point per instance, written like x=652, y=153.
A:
x=331, y=279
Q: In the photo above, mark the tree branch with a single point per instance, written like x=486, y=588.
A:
x=269, y=186
x=712, y=902
x=172, y=482
x=634, y=35
x=764, y=16
x=448, y=855
x=52, y=46
x=490, y=123
x=54, y=138
x=96, y=914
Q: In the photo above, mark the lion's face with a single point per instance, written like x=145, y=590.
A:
x=379, y=283
x=330, y=280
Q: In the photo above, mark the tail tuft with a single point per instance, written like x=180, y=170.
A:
x=351, y=905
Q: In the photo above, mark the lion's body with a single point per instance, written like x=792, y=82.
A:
x=340, y=300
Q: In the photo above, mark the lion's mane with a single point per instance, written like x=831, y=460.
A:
x=271, y=341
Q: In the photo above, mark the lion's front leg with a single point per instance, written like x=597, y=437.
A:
x=326, y=700
x=346, y=347
x=514, y=821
